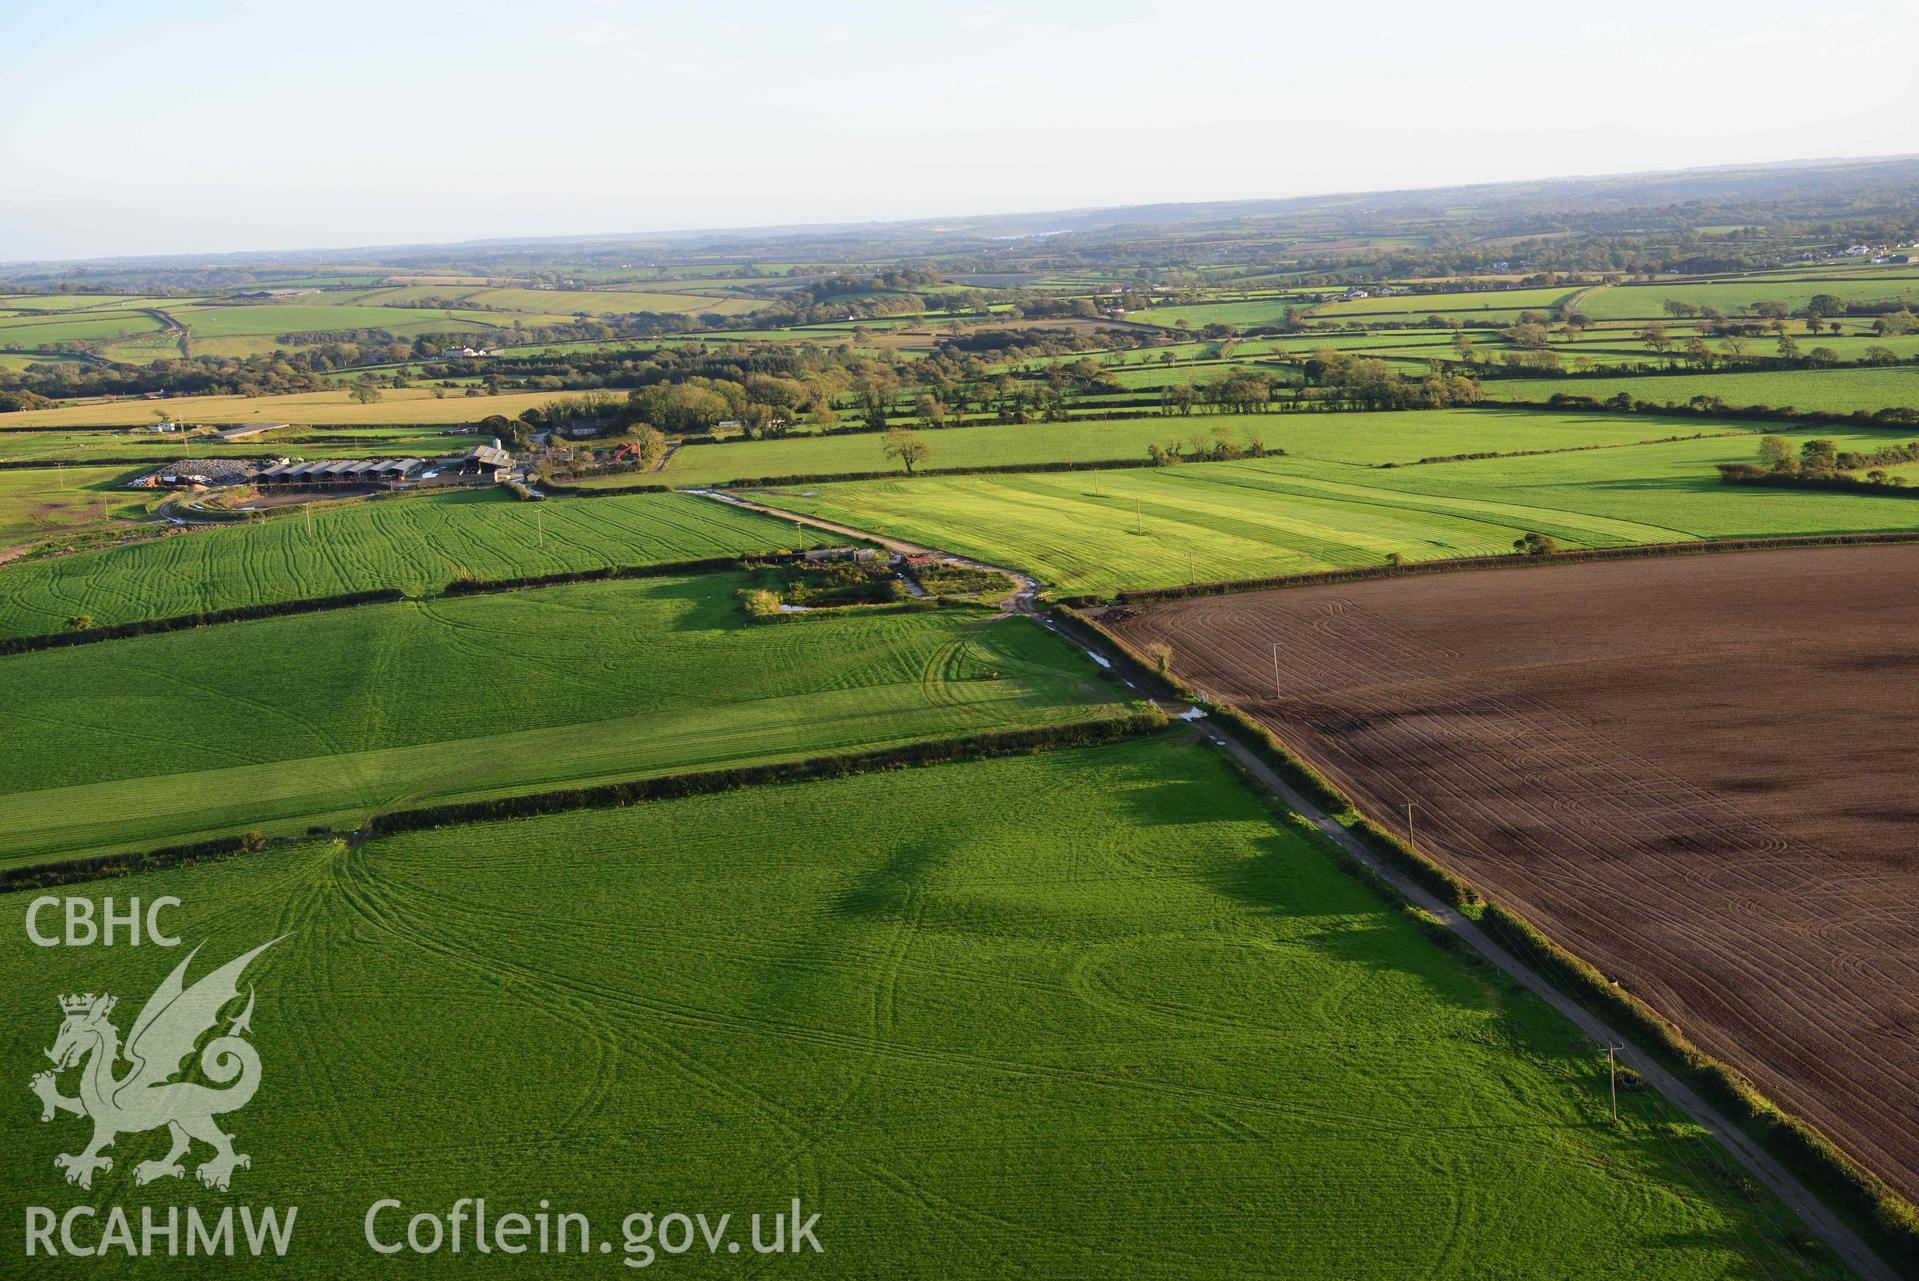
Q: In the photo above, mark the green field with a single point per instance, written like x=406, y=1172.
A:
x=1086, y=1014
x=328, y=718
x=35, y=502
x=269, y=319
x=416, y=544
x=1832, y=391
x=25, y=333
x=1734, y=295
x=74, y=302
x=1105, y=531
x=220, y=327
x=1467, y=305
x=611, y=302
x=1354, y=438
x=406, y=405
x=69, y=445
x=1268, y=311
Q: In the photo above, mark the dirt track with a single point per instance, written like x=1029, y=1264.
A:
x=1700, y=773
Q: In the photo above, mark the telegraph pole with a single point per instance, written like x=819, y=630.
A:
x=1612, y=1074
x=1276, y=693
x=1139, y=516
x=539, y=524
x=1409, y=824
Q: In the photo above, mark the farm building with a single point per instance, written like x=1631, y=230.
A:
x=328, y=473
x=481, y=465
x=248, y=432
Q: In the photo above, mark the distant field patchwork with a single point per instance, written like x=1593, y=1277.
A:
x=1357, y=438
x=1102, y=532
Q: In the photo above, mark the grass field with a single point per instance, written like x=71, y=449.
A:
x=282, y=723
x=1084, y=1014
x=24, y=333
x=35, y=502
x=611, y=302
x=270, y=319
x=1354, y=438
x=1836, y=391
x=416, y=544
x=1101, y=532
x=1467, y=305
x=297, y=441
x=73, y=302
x=1732, y=296
x=415, y=405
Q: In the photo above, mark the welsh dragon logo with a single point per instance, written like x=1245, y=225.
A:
x=148, y=1095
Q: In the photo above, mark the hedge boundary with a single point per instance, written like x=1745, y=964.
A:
x=828, y=478
x=35, y=876
x=673, y=786
x=1890, y=1223
x=1890, y=417
x=204, y=618
x=1748, y=474
x=60, y=464
x=1298, y=773
x=1093, y=733
x=388, y=596
x=1465, y=564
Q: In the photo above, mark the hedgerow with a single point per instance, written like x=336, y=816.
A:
x=668, y=786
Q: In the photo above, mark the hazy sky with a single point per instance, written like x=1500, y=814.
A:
x=200, y=126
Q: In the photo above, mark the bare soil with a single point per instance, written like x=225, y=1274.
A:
x=1700, y=773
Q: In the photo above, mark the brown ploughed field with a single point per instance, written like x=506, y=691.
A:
x=1700, y=773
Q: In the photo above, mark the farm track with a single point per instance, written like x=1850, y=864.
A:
x=1671, y=821
x=1510, y=732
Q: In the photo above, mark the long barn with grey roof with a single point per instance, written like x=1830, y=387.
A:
x=481, y=465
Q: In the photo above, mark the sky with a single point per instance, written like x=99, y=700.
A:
x=199, y=127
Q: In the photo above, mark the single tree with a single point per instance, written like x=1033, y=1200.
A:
x=909, y=450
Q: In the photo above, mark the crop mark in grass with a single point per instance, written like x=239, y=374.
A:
x=925, y=1066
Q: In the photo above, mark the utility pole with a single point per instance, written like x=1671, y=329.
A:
x=1139, y=515
x=307, y=508
x=1409, y=824
x=1276, y=669
x=539, y=523
x=1612, y=1073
